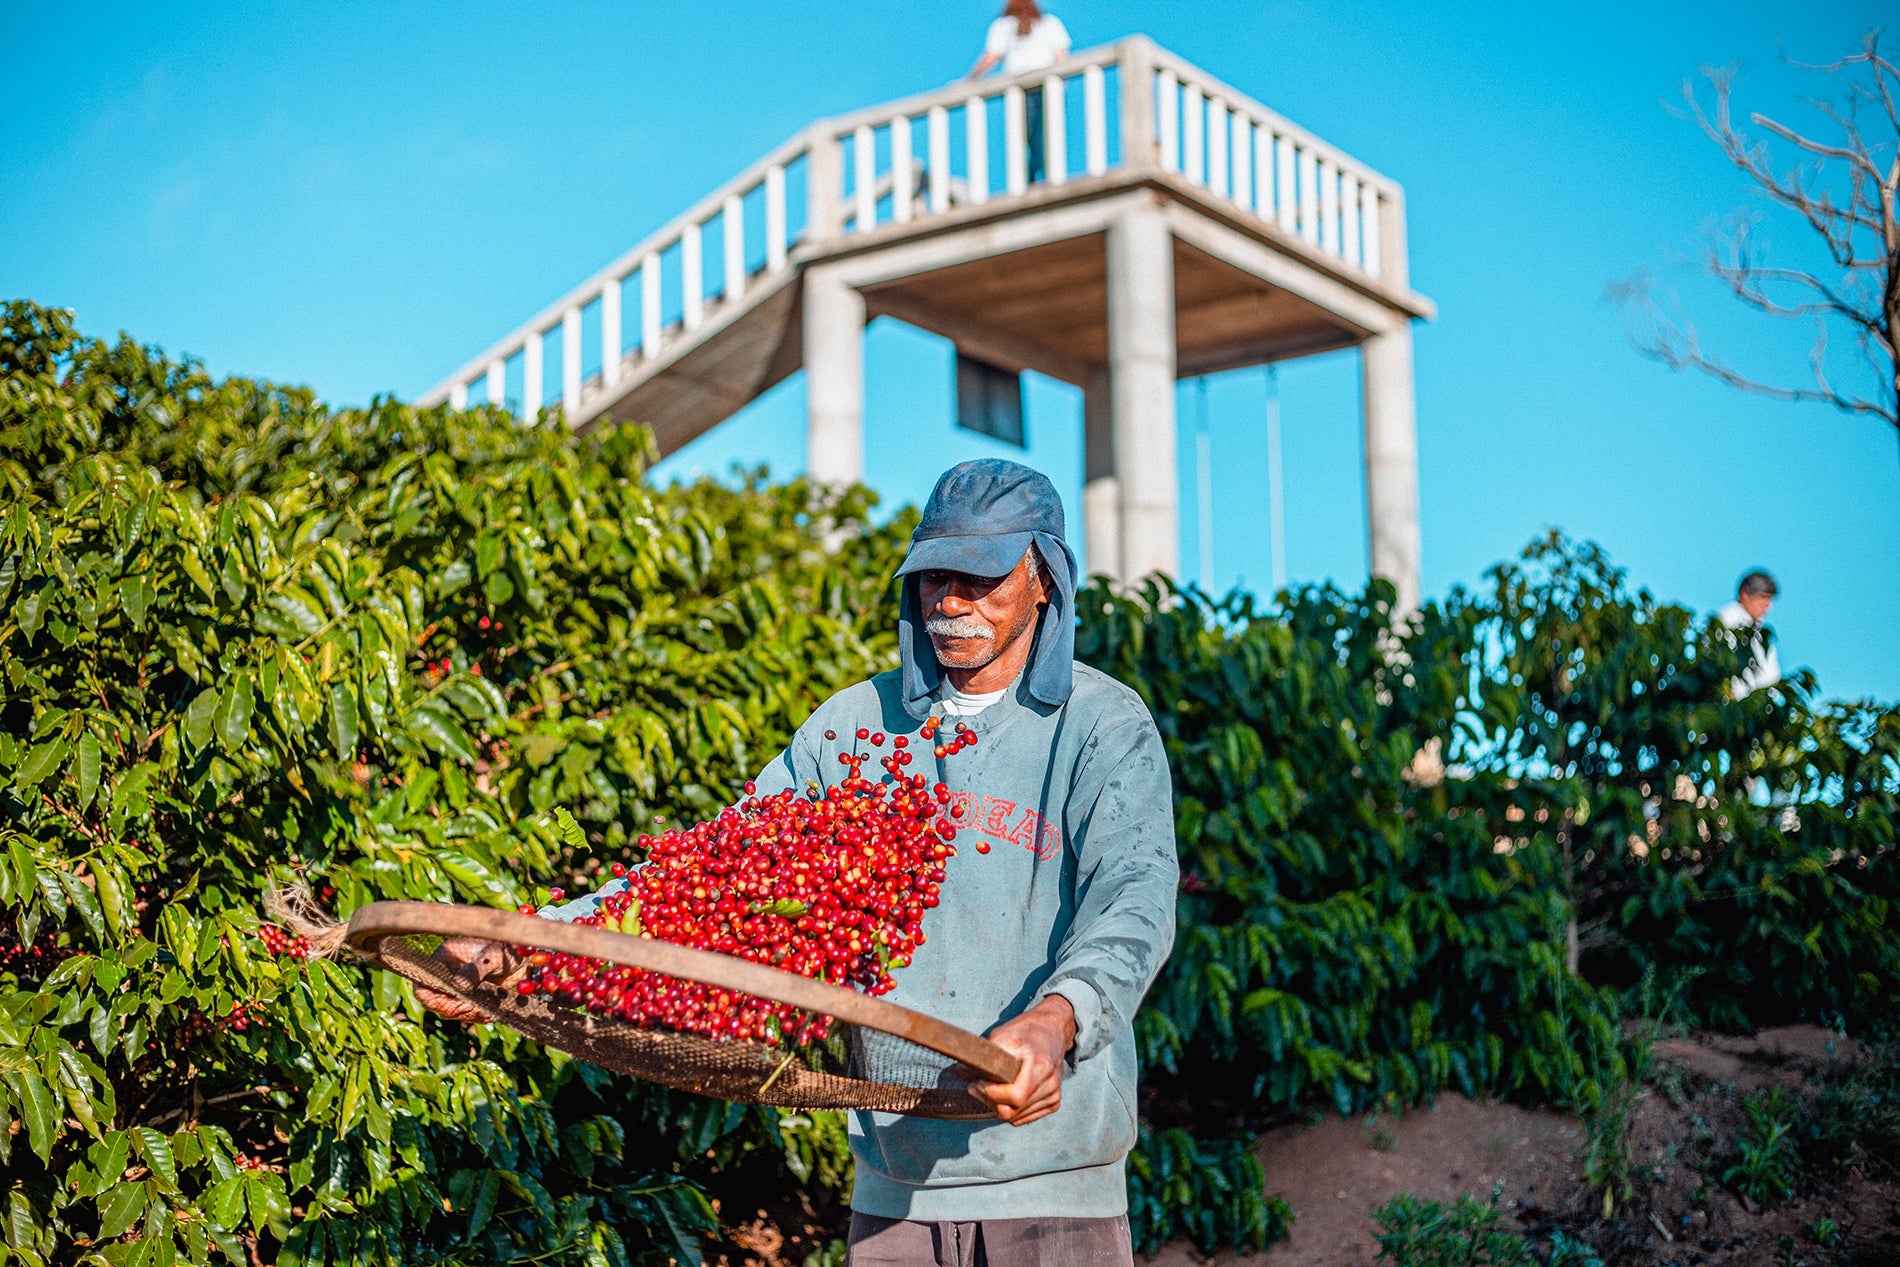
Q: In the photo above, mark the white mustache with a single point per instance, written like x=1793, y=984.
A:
x=958, y=627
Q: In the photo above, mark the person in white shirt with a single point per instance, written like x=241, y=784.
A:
x=1022, y=40
x=1753, y=597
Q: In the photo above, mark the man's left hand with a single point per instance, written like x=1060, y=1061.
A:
x=1040, y=1038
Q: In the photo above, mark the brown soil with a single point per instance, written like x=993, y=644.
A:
x=1335, y=1173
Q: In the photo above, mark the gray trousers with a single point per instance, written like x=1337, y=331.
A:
x=875, y=1242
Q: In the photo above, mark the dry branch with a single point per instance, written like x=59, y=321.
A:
x=1844, y=190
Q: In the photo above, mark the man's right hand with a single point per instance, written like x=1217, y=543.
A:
x=473, y=960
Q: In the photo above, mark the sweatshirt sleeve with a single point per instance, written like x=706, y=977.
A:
x=1126, y=876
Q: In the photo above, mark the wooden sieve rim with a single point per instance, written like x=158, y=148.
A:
x=371, y=924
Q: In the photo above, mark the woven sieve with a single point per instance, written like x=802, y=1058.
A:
x=895, y=1060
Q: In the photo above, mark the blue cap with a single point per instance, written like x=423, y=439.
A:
x=981, y=519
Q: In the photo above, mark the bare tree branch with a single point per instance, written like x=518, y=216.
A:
x=1845, y=189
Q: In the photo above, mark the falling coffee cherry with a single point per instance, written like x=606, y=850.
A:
x=831, y=885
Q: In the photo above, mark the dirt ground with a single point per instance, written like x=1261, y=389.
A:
x=1335, y=1173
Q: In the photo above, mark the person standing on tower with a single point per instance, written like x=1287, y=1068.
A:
x=1025, y=39
x=1753, y=597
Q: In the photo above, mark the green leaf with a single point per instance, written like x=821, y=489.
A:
x=120, y=1209
x=224, y=1203
x=157, y=1151
x=111, y=890
x=109, y=1157
x=39, y=1108
x=195, y=568
x=80, y=894
x=135, y=595
x=483, y=1207
x=233, y=720
x=441, y=732
x=488, y=548
x=23, y=1226
x=198, y=716
x=40, y=761
x=32, y=610
x=343, y=720
x=89, y=763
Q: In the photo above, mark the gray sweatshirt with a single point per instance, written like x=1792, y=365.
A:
x=1074, y=896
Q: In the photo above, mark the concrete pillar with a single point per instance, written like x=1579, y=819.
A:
x=1101, y=496
x=1141, y=367
x=834, y=379
x=1391, y=414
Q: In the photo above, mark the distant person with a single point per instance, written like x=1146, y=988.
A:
x=1753, y=597
x=1025, y=39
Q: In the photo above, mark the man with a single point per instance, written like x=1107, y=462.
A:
x=1057, y=911
x=1753, y=597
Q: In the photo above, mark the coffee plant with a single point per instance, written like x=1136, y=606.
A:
x=1434, y=857
x=1414, y=1232
x=248, y=640
x=1210, y=1192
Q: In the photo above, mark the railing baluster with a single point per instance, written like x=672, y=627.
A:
x=498, y=381
x=1392, y=264
x=774, y=218
x=610, y=332
x=1349, y=219
x=1243, y=160
x=1328, y=207
x=1193, y=134
x=692, y=279
x=571, y=362
x=864, y=177
x=531, y=354
x=1217, y=145
x=1094, y=121
x=1286, y=197
x=1263, y=170
x=650, y=307
x=458, y=396
x=732, y=221
x=903, y=185
x=1309, y=195
x=976, y=143
x=1055, y=127
x=1015, y=153
x=1168, y=106
x=937, y=143
x=824, y=186
x=1371, y=236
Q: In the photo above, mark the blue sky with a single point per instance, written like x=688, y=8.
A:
x=361, y=196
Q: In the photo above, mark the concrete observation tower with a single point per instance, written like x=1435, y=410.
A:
x=1176, y=228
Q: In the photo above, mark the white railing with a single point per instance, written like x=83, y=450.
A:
x=1240, y=151
x=1130, y=108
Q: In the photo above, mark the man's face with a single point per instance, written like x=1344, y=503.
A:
x=1756, y=605
x=973, y=619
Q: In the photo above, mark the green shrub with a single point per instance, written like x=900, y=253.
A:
x=1434, y=856
x=1212, y=1192
x=1768, y=1167
x=247, y=640
x=1469, y=1233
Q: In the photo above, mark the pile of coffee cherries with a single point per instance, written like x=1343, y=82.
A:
x=279, y=942
x=831, y=884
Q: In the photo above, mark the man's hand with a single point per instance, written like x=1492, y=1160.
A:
x=474, y=960
x=1040, y=1038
